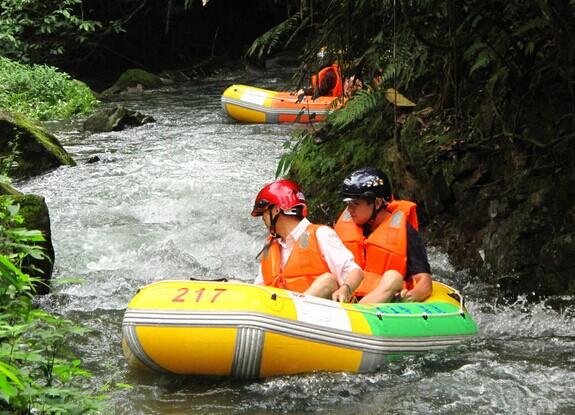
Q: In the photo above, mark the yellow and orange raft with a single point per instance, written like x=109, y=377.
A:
x=247, y=331
x=249, y=104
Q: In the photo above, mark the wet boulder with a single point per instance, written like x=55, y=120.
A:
x=27, y=149
x=134, y=81
x=115, y=119
x=174, y=76
x=534, y=241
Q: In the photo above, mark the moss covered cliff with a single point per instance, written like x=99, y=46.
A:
x=503, y=208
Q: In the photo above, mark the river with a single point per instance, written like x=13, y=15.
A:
x=172, y=200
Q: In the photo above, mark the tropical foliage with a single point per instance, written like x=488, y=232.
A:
x=38, y=30
x=492, y=73
x=269, y=41
x=450, y=49
x=42, y=92
x=37, y=372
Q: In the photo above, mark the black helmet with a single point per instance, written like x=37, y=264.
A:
x=366, y=183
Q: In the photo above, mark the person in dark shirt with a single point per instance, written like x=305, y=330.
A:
x=382, y=234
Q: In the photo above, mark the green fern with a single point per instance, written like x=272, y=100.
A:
x=264, y=44
x=362, y=103
x=531, y=26
x=291, y=146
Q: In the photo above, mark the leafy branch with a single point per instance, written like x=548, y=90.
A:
x=264, y=44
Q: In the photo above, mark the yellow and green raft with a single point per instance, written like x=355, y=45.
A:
x=248, y=331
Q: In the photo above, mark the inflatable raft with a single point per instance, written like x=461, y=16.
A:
x=255, y=105
x=247, y=331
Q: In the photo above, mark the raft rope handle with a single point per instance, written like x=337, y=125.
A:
x=274, y=296
x=461, y=301
x=461, y=312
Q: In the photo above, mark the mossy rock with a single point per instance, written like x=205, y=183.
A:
x=134, y=81
x=36, y=216
x=412, y=141
x=37, y=150
x=133, y=77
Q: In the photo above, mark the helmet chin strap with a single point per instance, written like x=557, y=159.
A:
x=375, y=210
x=272, y=230
x=367, y=226
x=273, y=221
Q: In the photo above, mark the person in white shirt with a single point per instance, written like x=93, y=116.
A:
x=298, y=255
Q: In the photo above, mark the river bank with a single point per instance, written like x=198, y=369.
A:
x=502, y=208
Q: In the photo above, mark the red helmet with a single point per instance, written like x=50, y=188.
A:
x=284, y=194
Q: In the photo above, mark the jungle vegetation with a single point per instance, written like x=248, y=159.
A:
x=487, y=153
x=42, y=92
x=481, y=73
x=38, y=373
x=95, y=39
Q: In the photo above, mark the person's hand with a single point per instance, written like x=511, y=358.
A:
x=300, y=95
x=347, y=87
x=407, y=296
x=342, y=294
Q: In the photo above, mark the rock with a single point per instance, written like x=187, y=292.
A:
x=32, y=149
x=556, y=259
x=174, y=76
x=115, y=119
x=254, y=70
x=137, y=89
x=522, y=222
x=436, y=194
x=134, y=81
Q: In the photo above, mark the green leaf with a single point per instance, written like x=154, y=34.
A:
x=13, y=209
x=483, y=60
x=24, y=234
x=269, y=40
x=10, y=372
x=7, y=389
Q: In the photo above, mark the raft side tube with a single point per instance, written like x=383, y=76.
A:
x=239, y=330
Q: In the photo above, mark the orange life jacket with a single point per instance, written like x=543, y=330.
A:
x=386, y=246
x=316, y=81
x=303, y=266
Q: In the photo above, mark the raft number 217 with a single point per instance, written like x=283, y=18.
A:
x=199, y=293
